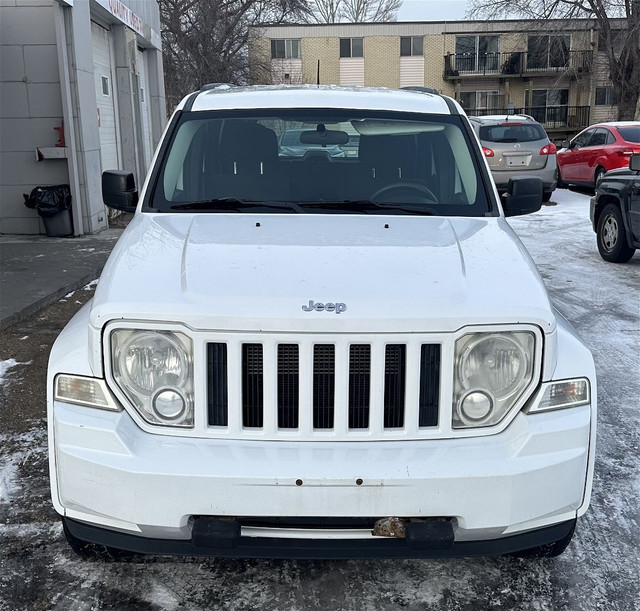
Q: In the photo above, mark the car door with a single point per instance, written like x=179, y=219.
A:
x=591, y=154
x=573, y=158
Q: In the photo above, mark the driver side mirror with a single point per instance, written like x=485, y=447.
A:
x=523, y=196
x=566, y=144
x=119, y=190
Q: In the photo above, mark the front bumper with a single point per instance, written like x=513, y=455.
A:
x=317, y=549
x=109, y=474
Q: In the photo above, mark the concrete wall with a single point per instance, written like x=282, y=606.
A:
x=30, y=107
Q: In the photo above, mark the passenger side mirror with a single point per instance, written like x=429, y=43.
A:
x=119, y=190
x=523, y=196
x=634, y=163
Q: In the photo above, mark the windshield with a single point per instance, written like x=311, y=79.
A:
x=306, y=161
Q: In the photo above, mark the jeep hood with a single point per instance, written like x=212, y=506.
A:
x=255, y=272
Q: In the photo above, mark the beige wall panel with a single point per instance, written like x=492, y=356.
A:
x=412, y=71
x=286, y=71
x=352, y=71
x=382, y=61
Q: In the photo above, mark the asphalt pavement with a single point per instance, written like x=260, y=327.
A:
x=36, y=271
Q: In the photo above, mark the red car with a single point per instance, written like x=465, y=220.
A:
x=596, y=150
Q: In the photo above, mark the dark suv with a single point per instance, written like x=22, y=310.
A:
x=615, y=212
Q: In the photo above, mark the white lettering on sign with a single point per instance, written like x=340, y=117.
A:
x=126, y=15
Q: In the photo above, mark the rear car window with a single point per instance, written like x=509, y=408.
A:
x=512, y=133
x=310, y=157
x=630, y=134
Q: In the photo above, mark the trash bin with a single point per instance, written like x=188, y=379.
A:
x=53, y=204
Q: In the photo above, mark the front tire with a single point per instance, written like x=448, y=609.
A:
x=612, y=241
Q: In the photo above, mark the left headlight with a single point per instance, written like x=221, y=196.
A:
x=154, y=370
x=492, y=371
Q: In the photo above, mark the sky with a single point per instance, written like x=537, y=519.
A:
x=432, y=10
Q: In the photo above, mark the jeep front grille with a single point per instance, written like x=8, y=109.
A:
x=337, y=387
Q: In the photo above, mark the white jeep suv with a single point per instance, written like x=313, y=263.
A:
x=320, y=356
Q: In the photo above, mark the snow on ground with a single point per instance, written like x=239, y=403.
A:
x=6, y=375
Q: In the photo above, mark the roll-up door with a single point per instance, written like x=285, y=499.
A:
x=105, y=96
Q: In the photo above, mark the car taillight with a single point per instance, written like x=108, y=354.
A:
x=549, y=149
x=487, y=152
x=629, y=151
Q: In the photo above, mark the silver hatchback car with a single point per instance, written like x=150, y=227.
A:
x=515, y=145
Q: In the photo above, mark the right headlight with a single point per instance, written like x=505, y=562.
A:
x=154, y=370
x=492, y=371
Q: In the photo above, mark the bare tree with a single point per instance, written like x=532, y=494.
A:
x=618, y=38
x=354, y=11
x=205, y=41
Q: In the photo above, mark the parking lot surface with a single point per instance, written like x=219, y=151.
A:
x=599, y=570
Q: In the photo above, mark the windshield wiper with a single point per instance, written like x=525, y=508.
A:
x=365, y=205
x=234, y=204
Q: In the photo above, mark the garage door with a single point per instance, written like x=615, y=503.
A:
x=105, y=96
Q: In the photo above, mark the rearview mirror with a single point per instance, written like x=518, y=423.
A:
x=324, y=136
x=523, y=196
x=119, y=190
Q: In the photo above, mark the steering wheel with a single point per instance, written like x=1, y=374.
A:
x=419, y=190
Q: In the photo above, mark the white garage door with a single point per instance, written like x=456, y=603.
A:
x=105, y=96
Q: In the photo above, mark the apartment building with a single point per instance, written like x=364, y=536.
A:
x=551, y=70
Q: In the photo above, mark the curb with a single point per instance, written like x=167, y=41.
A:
x=47, y=300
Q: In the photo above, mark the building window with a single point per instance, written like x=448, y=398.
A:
x=411, y=45
x=481, y=100
x=605, y=96
x=544, y=52
x=285, y=49
x=106, y=86
x=351, y=47
x=477, y=53
x=548, y=106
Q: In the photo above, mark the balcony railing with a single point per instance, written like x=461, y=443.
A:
x=551, y=117
x=516, y=63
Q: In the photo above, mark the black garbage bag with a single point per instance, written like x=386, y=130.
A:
x=49, y=201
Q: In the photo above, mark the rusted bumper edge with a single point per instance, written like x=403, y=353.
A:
x=230, y=546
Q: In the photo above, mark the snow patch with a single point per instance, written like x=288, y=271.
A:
x=6, y=366
x=91, y=285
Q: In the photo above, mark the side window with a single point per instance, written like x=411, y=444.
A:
x=599, y=138
x=582, y=139
x=610, y=137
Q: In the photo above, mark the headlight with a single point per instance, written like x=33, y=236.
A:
x=153, y=369
x=492, y=371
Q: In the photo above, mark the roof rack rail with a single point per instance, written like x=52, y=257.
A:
x=421, y=89
x=210, y=86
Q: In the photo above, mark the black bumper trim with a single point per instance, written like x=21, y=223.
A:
x=316, y=549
